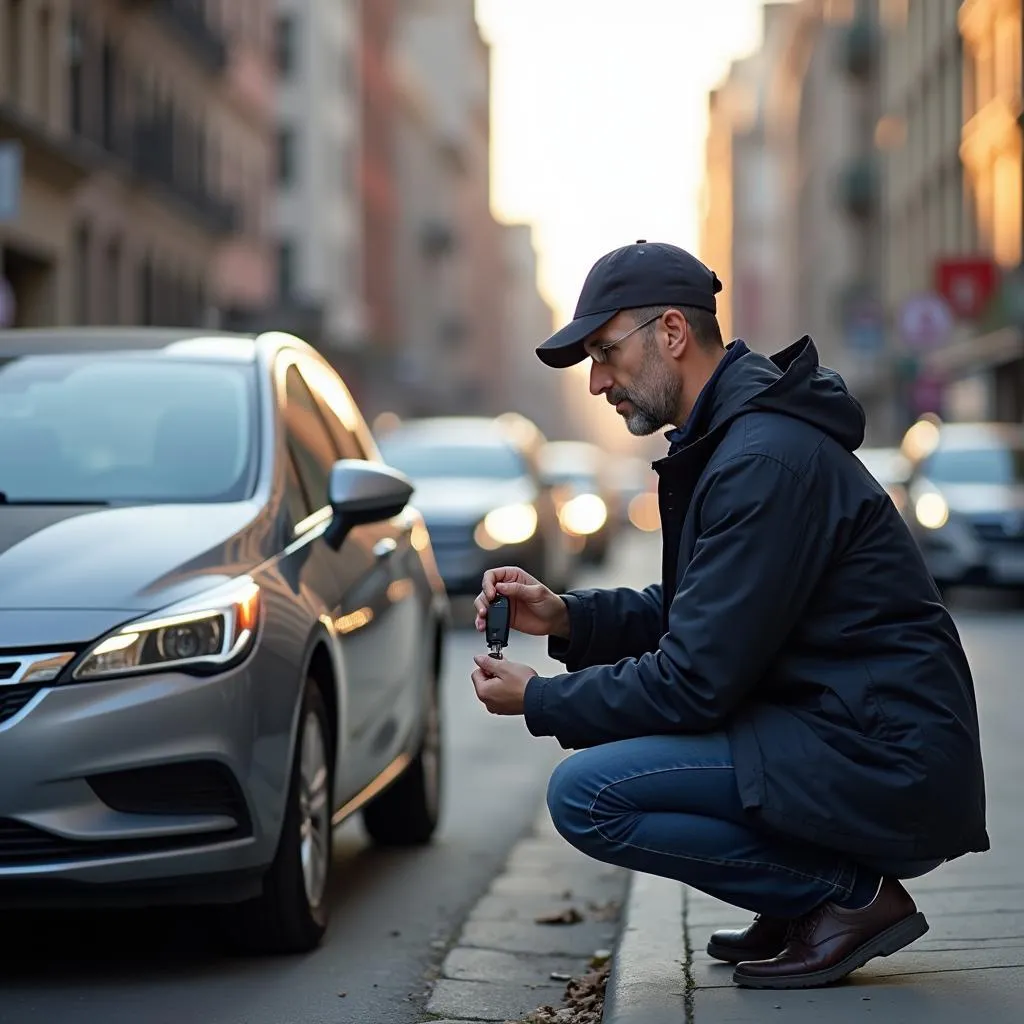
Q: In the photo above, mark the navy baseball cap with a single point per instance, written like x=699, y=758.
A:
x=644, y=274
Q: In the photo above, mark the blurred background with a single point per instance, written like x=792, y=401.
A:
x=418, y=187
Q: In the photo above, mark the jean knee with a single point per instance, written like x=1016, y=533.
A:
x=571, y=792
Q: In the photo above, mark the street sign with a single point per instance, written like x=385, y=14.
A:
x=926, y=322
x=967, y=283
x=10, y=180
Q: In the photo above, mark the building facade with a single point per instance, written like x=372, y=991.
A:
x=318, y=222
x=984, y=368
x=927, y=205
x=146, y=138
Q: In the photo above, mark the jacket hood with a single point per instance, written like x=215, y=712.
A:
x=791, y=382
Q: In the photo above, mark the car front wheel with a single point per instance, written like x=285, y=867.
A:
x=291, y=915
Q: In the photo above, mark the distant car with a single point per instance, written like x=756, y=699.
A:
x=480, y=491
x=587, y=504
x=891, y=468
x=221, y=628
x=966, y=501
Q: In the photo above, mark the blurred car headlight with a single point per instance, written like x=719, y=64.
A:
x=583, y=515
x=931, y=511
x=510, y=524
x=644, y=512
x=204, y=633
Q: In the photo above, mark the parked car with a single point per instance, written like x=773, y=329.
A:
x=966, y=501
x=480, y=491
x=221, y=627
x=579, y=474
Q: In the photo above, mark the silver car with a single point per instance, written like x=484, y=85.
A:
x=221, y=628
x=965, y=501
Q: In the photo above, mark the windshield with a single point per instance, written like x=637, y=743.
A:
x=479, y=462
x=991, y=465
x=117, y=428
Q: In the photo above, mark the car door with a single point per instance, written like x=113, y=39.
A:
x=393, y=667
x=351, y=583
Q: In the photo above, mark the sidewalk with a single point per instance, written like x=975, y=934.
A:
x=969, y=966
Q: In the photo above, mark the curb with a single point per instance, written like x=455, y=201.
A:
x=648, y=983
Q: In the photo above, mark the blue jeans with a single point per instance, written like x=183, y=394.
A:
x=670, y=806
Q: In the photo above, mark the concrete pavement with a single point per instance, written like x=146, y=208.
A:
x=969, y=965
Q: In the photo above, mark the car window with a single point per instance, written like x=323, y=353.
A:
x=294, y=494
x=193, y=431
x=426, y=459
x=310, y=443
x=336, y=407
x=994, y=465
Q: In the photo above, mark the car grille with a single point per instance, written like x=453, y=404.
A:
x=14, y=698
x=8, y=668
x=22, y=844
x=190, y=787
x=452, y=536
x=995, y=532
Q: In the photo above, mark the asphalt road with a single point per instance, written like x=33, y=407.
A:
x=394, y=914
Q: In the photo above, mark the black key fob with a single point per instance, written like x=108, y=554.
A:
x=499, y=618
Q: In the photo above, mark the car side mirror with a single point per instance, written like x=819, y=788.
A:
x=363, y=492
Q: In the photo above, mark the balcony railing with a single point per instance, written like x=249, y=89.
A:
x=188, y=18
x=859, y=187
x=860, y=48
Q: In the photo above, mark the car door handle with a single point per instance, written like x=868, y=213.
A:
x=384, y=547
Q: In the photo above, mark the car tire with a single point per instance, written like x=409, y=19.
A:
x=407, y=812
x=292, y=914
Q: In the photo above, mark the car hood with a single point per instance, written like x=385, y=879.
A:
x=122, y=561
x=458, y=499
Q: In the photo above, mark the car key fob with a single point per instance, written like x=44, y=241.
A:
x=499, y=618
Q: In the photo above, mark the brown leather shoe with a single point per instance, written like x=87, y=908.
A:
x=761, y=940
x=831, y=941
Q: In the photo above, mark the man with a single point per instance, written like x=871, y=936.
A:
x=787, y=722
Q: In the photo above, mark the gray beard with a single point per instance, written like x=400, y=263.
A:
x=655, y=397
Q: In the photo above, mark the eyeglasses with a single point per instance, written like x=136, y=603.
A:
x=598, y=352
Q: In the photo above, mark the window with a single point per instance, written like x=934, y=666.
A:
x=83, y=283
x=285, y=156
x=310, y=443
x=112, y=281
x=285, y=45
x=193, y=433
x=286, y=270
x=294, y=496
x=336, y=407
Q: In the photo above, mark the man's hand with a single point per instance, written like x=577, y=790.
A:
x=534, y=608
x=501, y=684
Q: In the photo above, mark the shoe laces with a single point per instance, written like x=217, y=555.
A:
x=804, y=928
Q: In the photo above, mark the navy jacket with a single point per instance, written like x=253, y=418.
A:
x=795, y=612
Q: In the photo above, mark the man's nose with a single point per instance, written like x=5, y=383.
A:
x=600, y=378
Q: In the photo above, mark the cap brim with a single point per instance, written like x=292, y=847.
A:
x=565, y=348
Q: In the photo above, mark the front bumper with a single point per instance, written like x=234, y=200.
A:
x=133, y=780
x=972, y=554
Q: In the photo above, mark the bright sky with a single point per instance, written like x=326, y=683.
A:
x=599, y=113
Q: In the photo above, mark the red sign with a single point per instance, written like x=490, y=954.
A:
x=966, y=283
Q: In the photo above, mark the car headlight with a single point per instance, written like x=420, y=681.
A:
x=931, y=510
x=510, y=524
x=202, y=633
x=583, y=515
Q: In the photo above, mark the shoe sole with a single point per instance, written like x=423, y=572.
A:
x=734, y=956
x=892, y=940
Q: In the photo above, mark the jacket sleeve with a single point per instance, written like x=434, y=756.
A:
x=608, y=625
x=761, y=550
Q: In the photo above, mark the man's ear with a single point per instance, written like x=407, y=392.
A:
x=677, y=333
